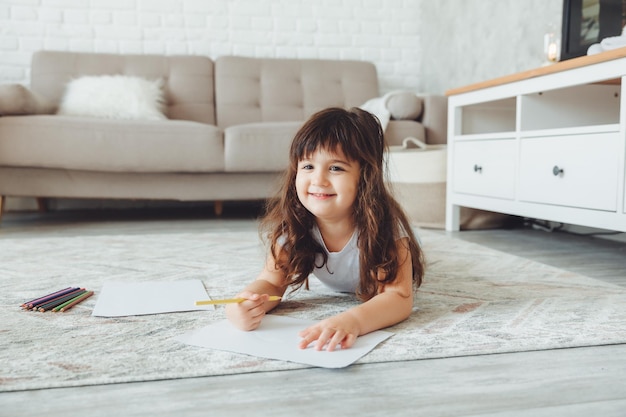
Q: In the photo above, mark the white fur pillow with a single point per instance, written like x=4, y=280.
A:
x=114, y=97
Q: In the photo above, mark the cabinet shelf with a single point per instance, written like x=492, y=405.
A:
x=484, y=136
x=577, y=106
x=576, y=130
x=488, y=117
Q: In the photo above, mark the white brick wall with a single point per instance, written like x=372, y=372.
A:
x=385, y=32
x=423, y=45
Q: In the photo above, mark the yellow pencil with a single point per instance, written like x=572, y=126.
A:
x=232, y=300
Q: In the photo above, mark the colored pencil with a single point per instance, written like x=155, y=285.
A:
x=59, y=300
x=74, y=297
x=38, y=300
x=53, y=298
x=26, y=303
x=232, y=300
x=75, y=301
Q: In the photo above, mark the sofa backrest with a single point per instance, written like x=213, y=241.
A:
x=188, y=80
x=251, y=90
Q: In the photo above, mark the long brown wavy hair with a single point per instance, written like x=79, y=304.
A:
x=379, y=219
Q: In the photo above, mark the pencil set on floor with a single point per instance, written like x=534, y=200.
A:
x=58, y=301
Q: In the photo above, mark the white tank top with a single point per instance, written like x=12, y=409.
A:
x=341, y=271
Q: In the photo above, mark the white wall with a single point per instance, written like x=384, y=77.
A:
x=468, y=41
x=422, y=45
x=382, y=31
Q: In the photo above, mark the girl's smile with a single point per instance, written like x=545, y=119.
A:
x=319, y=195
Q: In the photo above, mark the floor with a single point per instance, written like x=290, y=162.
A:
x=565, y=382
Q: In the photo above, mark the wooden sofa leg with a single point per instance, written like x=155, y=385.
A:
x=218, y=206
x=2, y=200
x=42, y=204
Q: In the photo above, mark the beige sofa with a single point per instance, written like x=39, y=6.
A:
x=229, y=125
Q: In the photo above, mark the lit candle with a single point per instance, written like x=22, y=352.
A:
x=552, y=52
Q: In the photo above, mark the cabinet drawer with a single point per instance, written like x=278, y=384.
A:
x=485, y=168
x=575, y=171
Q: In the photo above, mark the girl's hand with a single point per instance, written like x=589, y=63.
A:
x=248, y=314
x=340, y=330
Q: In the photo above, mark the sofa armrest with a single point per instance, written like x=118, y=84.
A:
x=16, y=99
x=435, y=119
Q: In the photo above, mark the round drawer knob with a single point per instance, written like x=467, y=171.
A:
x=478, y=168
x=557, y=171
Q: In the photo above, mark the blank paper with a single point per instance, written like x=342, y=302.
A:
x=277, y=338
x=117, y=299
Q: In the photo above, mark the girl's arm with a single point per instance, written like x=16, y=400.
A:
x=248, y=314
x=393, y=304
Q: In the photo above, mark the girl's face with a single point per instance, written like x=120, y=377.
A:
x=327, y=184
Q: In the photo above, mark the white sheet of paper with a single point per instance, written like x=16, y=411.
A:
x=277, y=338
x=117, y=299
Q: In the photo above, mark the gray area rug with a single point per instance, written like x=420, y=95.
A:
x=474, y=301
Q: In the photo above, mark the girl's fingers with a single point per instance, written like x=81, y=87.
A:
x=348, y=341
x=308, y=336
x=249, y=296
x=257, y=312
x=323, y=338
x=328, y=338
x=337, y=339
x=248, y=314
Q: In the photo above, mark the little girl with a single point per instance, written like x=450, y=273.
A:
x=335, y=218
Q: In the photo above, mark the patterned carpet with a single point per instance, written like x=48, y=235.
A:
x=475, y=301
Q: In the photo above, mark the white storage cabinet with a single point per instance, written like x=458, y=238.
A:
x=547, y=144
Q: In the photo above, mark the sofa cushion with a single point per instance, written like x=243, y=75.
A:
x=16, y=99
x=258, y=147
x=251, y=90
x=93, y=144
x=114, y=97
